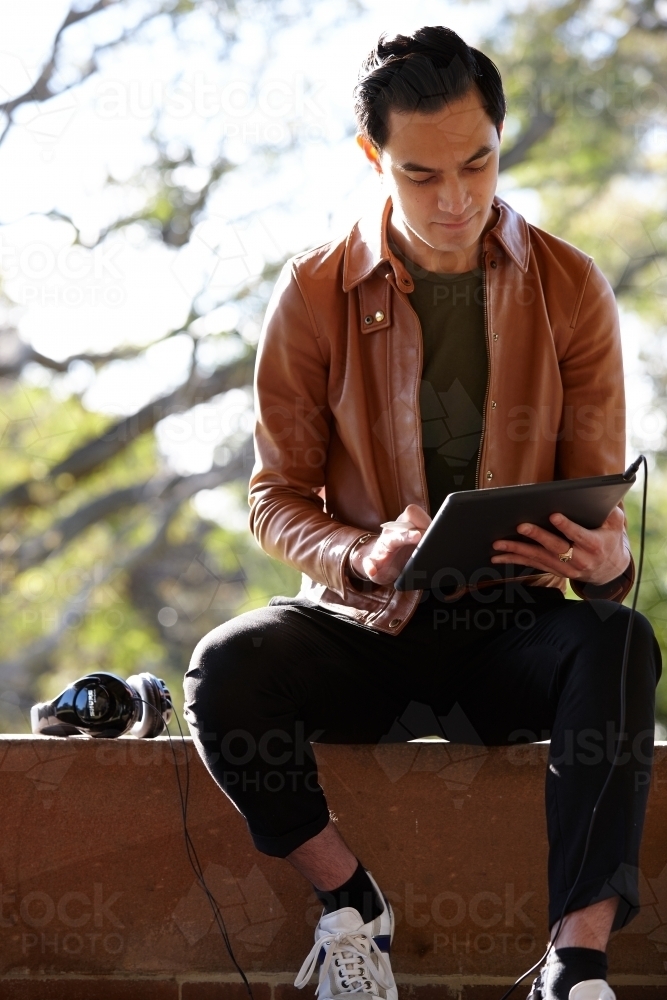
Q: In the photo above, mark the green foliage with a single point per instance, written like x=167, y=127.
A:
x=37, y=430
x=652, y=600
x=137, y=587
x=600, y=167
x=101, y=607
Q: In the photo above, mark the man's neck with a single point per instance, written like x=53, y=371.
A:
x=430, y=258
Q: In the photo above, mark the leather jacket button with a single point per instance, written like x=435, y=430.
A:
x=368, y=320
x=494, y=263
x=493, y=404
x=379, y=316
x=495, y=336
x=489, y=474
x=394, y=622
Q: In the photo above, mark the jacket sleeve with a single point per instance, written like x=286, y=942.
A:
x=291, y=437
x=592, y=434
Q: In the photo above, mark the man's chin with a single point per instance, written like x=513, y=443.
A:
x=459, y=241
x=434, y=236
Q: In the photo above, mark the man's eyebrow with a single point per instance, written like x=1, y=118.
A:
x=482, y=151
x=418, y=168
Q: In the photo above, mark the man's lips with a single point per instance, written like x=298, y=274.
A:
x=456, y=225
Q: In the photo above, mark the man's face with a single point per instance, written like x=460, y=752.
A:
x=441, y=171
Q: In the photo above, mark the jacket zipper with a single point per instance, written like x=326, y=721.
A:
x=419, y=425
x=488, y=368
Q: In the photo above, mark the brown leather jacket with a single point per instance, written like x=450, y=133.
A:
x=338, y=430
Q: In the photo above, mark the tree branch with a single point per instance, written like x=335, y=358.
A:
x=89, y=456
x=537, y=129
x=41, y=90
x=175, y=227
x=15, y=354
x=37, y=549
x=21, y=668
x=649, y=19
x=633, y=267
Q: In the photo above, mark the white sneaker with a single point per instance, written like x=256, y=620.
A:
x=353, y=957
x=592, y=989
x=588, y=989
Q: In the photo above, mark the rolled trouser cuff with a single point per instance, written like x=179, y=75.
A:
x=624, y=884
x=285, y=843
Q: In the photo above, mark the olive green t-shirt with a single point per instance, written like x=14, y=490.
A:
x=450, y=308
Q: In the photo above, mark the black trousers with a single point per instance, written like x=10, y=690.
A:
x=492, y=669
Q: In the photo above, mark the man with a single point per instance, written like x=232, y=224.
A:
x=444, y=345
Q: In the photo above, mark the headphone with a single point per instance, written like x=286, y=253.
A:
x=106, y=706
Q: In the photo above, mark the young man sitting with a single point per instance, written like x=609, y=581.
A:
x=444, y=344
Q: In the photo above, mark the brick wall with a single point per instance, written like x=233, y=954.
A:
x=98, y=900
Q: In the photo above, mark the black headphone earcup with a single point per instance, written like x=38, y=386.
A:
x=150, y=722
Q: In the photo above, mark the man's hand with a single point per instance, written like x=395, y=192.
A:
x=598, y=557
x=382, y=558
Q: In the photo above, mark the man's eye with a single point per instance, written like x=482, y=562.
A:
x=477, y=170
x=413, y=181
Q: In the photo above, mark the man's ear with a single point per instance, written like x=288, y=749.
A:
x=370, y=151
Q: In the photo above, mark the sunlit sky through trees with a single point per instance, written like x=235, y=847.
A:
x=58, y=157
x=160, y=159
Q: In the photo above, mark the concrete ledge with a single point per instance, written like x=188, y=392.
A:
x=98, y=899
x=266, y=988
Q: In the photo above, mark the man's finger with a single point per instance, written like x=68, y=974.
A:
x=578, y=535
x=387, y=561
x=615, y=521
x=544, y=564
x=525, y=554
x=393, y=538
x=552, y=542
x=416, y=515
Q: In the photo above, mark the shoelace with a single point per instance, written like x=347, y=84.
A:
x=536, y=988
x=354, y=951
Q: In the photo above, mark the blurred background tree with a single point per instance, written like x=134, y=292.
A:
x=131, y=303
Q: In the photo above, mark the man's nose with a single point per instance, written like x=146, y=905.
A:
x=453, y=197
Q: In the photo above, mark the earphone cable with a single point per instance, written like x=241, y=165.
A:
x=193, y=858
x=192, y=851
x=619, y=743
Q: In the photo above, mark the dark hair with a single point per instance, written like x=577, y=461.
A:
x=422, y=72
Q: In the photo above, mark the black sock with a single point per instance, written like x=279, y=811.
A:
x=568, y=966
x=358, y=892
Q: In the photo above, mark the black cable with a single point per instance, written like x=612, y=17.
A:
x=621, y=735
x=191, y=851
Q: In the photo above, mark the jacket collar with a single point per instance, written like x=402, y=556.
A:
x=367, y=246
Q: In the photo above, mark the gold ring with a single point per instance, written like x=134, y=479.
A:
x=566, y=556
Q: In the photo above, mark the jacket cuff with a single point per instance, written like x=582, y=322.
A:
x=334, y=558
x=615, y=590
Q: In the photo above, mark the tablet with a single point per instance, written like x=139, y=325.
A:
x=457, y=546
